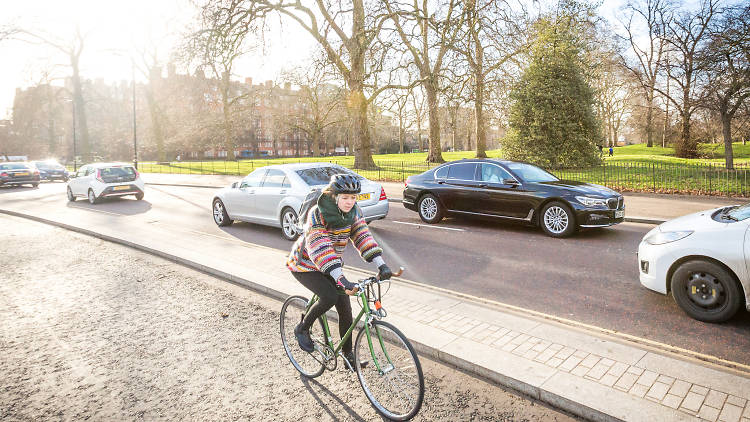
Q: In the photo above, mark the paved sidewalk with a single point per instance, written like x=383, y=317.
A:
x=639, y=207
x=583, y=370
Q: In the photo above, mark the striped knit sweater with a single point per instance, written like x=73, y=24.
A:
x=321, y=249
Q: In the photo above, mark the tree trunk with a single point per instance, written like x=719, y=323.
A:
x=228, y=143
x=726, y=129
x=401, y=135
x=479, y=93
x=316, y=143
x=436, y=153
x=650, y=120
x=156, y=124
x=82, y=126
x=360, y=129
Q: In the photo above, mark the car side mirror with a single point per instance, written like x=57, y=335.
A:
x=234, y=185
x=513, y=182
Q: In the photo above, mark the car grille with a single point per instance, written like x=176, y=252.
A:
x=615, y=203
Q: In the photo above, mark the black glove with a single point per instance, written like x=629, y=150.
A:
x=384, y=273
x=344, y=284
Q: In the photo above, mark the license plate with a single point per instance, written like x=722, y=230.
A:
x=363, y=197
x=620, y=214
x=121, y=188
x=22, y=174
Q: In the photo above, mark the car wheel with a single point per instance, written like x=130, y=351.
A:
x=429, y=208
x=557, y=220
x=92, y=197
x=71, y=197
x=65, y=179
x=705, y=291
x=221, y=218
x=139, y=196
x=289, y=224
x=35, y=185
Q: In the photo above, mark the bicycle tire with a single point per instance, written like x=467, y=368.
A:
x=292, y=313
x=399, y=363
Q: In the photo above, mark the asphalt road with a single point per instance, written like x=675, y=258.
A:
x=590, y=278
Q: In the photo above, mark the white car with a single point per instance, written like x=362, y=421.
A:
x=101, y=180
x=703, y=260
x=273, y=196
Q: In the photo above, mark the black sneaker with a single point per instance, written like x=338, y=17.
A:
x=349, y=356
x=303, y=338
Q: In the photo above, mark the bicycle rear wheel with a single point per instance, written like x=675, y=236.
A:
x=292, y=313
x=396, y=389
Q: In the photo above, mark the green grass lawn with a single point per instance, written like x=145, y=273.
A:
x=632, y=168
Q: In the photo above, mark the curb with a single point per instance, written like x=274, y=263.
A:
x=529, y=390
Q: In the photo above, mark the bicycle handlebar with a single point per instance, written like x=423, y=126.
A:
x=376, y=279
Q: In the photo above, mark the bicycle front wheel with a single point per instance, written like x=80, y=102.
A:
x=292, y=313
x=393, y=380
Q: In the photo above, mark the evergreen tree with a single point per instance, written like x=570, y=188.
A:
x=552, y=118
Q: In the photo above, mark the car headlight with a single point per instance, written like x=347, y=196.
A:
x=660, y=237
x=591, y=202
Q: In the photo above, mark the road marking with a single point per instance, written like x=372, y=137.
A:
x=432, y=227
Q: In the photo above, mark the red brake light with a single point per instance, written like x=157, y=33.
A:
x=137, y=175
x=382, y=195
x=406, y=183
x=99, y=175
x=3, y=174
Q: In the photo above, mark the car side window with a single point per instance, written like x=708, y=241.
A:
x=254, y=179
x=442, y=172
x=462, y=171
x=82, y=171
x=493, y=174
x=89, y=170
x=274, y=179
x=286, y=183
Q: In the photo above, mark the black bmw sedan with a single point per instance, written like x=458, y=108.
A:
x=512, y=191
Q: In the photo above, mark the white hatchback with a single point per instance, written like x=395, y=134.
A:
x=100, y=180
x=703, y=259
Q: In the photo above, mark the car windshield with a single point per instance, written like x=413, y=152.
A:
x=530, y=173
x=739, y=213
x=114, y=172
x=47, y=165
x=13, y=166
x=322, y=175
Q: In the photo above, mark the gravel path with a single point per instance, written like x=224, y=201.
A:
x=94, y=330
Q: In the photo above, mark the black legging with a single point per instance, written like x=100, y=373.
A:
x=323, y=286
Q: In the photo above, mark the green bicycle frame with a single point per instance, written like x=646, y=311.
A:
x=337, y=347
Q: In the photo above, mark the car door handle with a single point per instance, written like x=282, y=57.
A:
x=440, y=182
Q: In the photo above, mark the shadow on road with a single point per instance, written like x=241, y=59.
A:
x=120, y=206
x=16, y=189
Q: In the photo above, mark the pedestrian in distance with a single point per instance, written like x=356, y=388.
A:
x=611, y=151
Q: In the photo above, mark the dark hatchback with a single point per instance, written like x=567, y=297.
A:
x=15, y=174
x=512, y=191
x=51, y=170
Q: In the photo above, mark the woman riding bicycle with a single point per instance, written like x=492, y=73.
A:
x=316, y=257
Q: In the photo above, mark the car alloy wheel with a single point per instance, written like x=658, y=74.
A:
x=429, y=209
x=71, y=197
x=289, y=224
x=557, y=220
x=221, y=218
x=92, y=197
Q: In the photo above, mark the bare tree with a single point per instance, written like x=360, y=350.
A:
x=397, y=102
x=72, y=49
x=8, y=30
x=729, y=72
x=418, y=113
x=321, y=103
x=687, y=34
x=651, y=17
x=428, y=30
x=492, y=37
x=223, y=34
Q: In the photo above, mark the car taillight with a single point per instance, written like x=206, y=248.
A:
x=137, y=175
x=382, y=195
x=36, y=172
x=406, y=183
x=3, y=174
x=99, y=176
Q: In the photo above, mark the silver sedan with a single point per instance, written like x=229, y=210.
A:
x=273, y=196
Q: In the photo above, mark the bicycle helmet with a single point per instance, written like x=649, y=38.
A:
x=344, y=183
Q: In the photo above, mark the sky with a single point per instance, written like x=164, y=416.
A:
x=117, y=25
x=120, y=25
